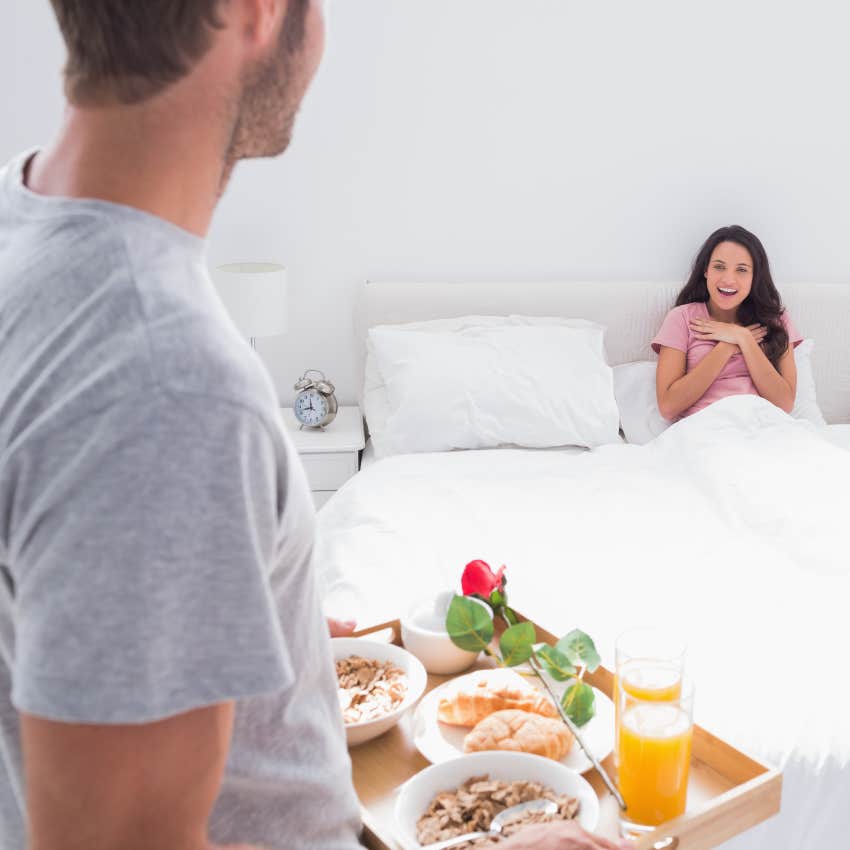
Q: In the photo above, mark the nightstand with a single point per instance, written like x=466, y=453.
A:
x=332, y=456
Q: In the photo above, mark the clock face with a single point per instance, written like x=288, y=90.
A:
x=311, y=407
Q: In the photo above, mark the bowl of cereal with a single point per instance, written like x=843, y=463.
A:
x=463, y=795
x=378, y=683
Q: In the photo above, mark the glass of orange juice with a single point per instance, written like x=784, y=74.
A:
x=649, y=663
x=654, y=756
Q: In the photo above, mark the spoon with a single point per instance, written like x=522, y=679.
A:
x=497, y=823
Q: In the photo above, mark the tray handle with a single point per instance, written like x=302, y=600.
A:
x=394, y=625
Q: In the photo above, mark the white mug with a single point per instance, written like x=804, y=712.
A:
x=423, y=632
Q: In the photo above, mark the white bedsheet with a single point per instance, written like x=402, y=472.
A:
x=731, y=526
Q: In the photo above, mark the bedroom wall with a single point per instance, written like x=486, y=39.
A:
x=521, y=139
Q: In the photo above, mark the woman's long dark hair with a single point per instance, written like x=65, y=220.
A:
x=762, y=306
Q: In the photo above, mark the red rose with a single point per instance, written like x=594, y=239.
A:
x=478, y=579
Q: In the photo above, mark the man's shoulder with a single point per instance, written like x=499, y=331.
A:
x=192, y=346
x=128, y=306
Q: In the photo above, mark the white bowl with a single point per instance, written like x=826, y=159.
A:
x=417, y=678
x=417, y=793
x=423, y=632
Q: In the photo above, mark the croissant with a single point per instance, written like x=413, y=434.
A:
x=466, y=708
x=520, y=731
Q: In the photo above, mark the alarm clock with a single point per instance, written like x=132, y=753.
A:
x=315, y=405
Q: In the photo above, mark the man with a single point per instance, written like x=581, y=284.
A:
x=165, y=673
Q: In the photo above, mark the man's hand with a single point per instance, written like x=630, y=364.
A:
x=341, y=628
x=560, y=835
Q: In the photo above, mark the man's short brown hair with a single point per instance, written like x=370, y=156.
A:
x=129, y=50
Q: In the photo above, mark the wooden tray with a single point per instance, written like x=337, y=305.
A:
x=728, y=791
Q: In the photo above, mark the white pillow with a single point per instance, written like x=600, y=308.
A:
x=806, y=401
x=634, y=388
x=481, y=387
x=376, y=405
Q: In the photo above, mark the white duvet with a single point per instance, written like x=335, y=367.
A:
x=732, y=527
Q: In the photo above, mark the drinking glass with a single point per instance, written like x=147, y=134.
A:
x=649, y=662
x=654, y=740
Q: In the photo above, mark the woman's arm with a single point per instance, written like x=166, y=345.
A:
x=677, y=389
x=777, y=386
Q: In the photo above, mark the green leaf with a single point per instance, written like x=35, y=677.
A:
x=579, y=702
x=510, y=615
x=469, y=624
x=516, y=644
x=555, y=663
x=579, y=649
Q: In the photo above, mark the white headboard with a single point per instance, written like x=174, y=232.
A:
x=631, y=311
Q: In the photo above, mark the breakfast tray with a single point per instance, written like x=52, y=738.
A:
x=728, y=791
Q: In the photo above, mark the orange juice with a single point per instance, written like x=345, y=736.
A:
x=654, y=757
x=650, y=660
x=647, y=680
x=652, y=682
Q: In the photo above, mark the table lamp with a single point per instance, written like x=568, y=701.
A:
x=255, y=297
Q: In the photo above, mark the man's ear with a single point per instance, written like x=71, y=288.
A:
x=262, y=20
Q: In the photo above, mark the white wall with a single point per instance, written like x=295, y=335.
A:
x=31, y=53
x=523, y=139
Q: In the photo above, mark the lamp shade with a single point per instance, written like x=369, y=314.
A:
x=255, y=296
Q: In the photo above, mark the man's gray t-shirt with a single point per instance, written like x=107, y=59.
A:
x=156, y=529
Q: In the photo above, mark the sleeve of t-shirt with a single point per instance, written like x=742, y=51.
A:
x=144, y=538
x=673, y=332
x=794, y=336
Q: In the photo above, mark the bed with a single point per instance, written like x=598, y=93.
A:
x=730, y=526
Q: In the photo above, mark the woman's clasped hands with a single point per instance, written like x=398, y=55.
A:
x=710, y=329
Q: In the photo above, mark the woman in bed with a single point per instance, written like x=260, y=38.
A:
x=728, y=333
